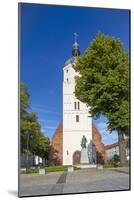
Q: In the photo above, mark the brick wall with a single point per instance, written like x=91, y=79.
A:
x=55, y=155
x=100, y=149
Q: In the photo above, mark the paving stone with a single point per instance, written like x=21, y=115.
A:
x=75, y=182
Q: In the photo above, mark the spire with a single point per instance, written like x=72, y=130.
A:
x=76, y=46
x=75, y=37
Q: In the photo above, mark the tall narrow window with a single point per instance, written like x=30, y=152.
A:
x=75, y=105
x=78, y=105
x=77, y=118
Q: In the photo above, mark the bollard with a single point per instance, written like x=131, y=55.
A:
x=42, y=172
x=70, y=169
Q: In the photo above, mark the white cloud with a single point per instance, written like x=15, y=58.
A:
x=50, y=127
x=42, y=130
x=40, y=109
x=47, y=120
x=107, y=137
x=102, y=127
x=45, y=111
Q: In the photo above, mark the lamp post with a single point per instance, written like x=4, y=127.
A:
x=27, y=156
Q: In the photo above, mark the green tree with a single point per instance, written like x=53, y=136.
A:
x=103, y=84
x=30, y=134
x=32, y=139
x=43, y=147
x=24, y=100
x=115, y=159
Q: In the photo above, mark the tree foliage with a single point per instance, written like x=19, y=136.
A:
x=103, y=81
x=32, y=139
x=24, y=100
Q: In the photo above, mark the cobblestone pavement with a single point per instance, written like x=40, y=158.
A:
x=85, y=180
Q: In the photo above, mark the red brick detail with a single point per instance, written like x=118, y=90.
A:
x=55, y=155
x=100, y=148
x=56, y=149
x=110, y=146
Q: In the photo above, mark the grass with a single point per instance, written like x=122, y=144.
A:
x=56, y=168
x=110, y=165
x=32, y=171
x=50, y=169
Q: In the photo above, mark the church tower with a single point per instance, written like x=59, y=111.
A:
x=76, y=118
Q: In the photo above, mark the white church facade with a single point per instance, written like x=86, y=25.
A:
x=76, y=118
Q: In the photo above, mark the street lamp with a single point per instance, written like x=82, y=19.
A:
x=27, y=156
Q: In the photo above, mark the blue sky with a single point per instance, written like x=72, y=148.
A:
x=46, y=38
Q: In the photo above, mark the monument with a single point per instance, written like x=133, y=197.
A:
x=88, y=154
x=84, y=151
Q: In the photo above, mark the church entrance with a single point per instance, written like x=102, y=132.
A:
x=76, y=157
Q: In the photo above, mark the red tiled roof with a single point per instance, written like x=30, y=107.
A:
x=110, y=146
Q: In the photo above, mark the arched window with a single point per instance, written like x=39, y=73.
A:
x=78, y=105
x=77, y=118
x=75, y=105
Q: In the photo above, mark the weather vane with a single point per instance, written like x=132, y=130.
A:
x=75, y=36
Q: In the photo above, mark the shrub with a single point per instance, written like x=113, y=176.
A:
x=111, y=164
x=108, y=165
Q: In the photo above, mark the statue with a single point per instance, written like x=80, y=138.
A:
x=88, y=153
x=84, y=151
x=92, y=153
x=83, y=142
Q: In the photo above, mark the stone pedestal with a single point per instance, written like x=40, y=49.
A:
x=84, y=156
x=100, y=167
x=70, y=169
x=86, y=166
x=42, y=172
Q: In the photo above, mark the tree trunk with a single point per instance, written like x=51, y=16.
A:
x=122, y=148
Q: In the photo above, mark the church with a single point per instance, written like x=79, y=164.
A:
x=76, y=124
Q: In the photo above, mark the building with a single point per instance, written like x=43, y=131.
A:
x=113, y=149
x=56, y=150
x=77, y=121
x=76, y=118
x=30, y=160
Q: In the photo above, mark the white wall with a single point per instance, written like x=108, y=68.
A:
x=111, y=152
x=72, y=130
